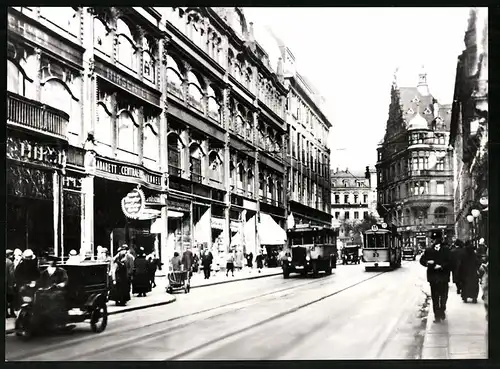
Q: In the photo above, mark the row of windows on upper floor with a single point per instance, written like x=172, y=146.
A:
x=356, y=199
x=414, y=188
x=422, y=138
x=309, y=192
x=350, y=183
x=309, y=154
x=306, y=117
x=438, y=160
x=347, y=215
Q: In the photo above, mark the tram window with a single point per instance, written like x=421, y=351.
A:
x=380, y=240
x=320, y=239
x=308, y=239
x=370, y=241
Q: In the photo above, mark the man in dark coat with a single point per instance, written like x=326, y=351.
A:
x=437, y=261
x=456, y=254
x=141, y=281
x=468, y=273
x=187, y=262
x=206, y=262
x=9, y=284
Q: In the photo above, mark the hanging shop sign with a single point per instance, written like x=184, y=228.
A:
x=155, y=200
x=133, y=204
x=72, y=183
x=34, y=152
x=217, y=223
x=128, y=170
x=127, y=83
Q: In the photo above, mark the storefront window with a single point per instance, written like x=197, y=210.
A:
x=72, y=218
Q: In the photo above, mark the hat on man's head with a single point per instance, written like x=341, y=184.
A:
x=9, y=253
x=73, y=253
x=52, y=258
x=18, y=252
x=28, y=254
x=123, y=248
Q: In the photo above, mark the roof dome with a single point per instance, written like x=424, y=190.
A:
x=418, y=122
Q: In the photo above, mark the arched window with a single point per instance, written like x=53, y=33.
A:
x=240, y=125
x=102, y=39
x=241, y=176
x=127, y=132
x=104, y=124
x=195, y=157
x=230, y=61
x=174, y=77
x=149, y=62
x=279, y=189
x=215, y=166
x=195, y=92
x=250, y=180
x=270, y=188
x=151, y=140
x=249, y=78
x=126, y=45
x=56, y=93
x=16, y=82
x=214, y=110
x=66, y=18
x=261, y=184
x=174, y=154
x=249, y=125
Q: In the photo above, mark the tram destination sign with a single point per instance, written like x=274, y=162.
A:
x=133, y=204
x=128, y=171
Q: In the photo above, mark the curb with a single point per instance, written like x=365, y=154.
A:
x=126, y=310
x=238, y=280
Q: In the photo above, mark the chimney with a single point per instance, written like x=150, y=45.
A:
x=367, y=173
x=251, y=37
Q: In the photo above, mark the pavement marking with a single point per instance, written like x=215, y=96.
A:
x=267, y=320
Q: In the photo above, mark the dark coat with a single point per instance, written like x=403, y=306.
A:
x=206, y=258
x=468, y=273
x=120, y=291
x=187, y=260
x=26, y=271
x=141, y=281
x=47, y=280
x=259, y=259
x=9, y=277
x=442, y=258
x=456, y=257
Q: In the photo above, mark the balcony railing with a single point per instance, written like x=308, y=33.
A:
x=428, y=197
x=195, y=177
x=429, y=220
x=174, y=171
x=37, y=116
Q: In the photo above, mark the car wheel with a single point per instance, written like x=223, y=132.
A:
x=99, y=318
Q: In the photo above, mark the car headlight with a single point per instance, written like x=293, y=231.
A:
x=27, y=299
x=289, y=258
x=308, y=258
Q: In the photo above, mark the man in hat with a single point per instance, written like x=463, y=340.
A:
x=129, y=263
x=9, y=284
x=74, y=258
x=437, y=260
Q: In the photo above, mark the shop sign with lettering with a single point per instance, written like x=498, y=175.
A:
x=126, y=83
x=217, y=223
x=154, y=200
x=128, y=171
x=72, y=183
x=178, y=205
x=34, y=152
x=133, y=204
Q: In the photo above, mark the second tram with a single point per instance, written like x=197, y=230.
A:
x=382, y=247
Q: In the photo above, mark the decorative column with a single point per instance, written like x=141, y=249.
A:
x=140, y=134
x=227, y=161
x=88, y=215
x=89, y=90
x=56, y=195
x=163, y=132
x=38, y=75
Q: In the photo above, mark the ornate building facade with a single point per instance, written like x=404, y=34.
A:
x=171, y=110
x=354, y=197
x=469, y=131
x=414, y=167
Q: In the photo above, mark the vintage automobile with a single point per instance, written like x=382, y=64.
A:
x=84, y=298
x=409, y=253
x=350, y=254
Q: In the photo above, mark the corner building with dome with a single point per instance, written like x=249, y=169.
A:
x=414, y=165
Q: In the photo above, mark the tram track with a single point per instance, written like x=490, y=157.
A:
x=62, y=345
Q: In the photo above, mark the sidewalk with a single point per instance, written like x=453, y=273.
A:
x=158, y=295
x=463, y=335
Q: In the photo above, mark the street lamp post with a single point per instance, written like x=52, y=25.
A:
x=470, y=219
x=475, y=214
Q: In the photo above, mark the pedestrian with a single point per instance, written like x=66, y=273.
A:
x=176, y=262
x=120, y=291
x=483, y=274
x=456, y=255
x=468, y=273
x=18, y=256
x=129, y=262
x=196, y=263
x=153, y=265
x=10, y=284
x=230, y=263
x=187, y=262
x=437, y=261
x=238, y=260
x=250, y=260
x=141, y=279
x=74, y=258
x=206, y=262
x=259, y=260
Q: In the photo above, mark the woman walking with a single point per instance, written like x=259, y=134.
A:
x=468, y=273
x=120, y=291
x=259, y=260
x=141, y=277
x=230, y=264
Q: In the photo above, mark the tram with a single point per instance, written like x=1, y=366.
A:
x=382, y=246
x=310, y=249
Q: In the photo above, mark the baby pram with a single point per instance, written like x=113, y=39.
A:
x=178, y=280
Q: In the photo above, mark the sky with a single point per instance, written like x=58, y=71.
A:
x=351, y=54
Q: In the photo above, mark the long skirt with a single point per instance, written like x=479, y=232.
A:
x=141, y=283
x=470, y=288
x=120, y=292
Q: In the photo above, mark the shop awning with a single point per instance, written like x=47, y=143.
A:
x=270, y=233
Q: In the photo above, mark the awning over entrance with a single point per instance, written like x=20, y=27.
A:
x=270, y=233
